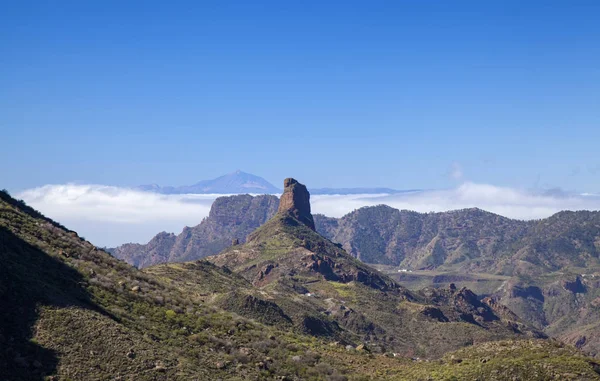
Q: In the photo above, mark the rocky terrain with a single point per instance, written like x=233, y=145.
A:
x=563, y=304
x=287, y=305
x=336, y=295
x=546, y=271
x=522, y=264
x=469, y=240
x=230, y=218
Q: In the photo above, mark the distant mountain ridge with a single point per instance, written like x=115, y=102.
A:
x=467, y=240
x=462, y=240
x=239, y=182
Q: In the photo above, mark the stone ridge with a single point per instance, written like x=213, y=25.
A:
x=296, y=201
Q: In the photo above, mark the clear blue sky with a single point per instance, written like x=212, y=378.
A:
x=343, y=93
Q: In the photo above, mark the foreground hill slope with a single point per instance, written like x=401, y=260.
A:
x=71, y=312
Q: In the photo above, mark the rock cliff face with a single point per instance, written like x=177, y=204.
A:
x=296, y=201
x=230, y=220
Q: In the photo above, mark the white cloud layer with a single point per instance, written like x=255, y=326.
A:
x=508, y=202
x=109, y=216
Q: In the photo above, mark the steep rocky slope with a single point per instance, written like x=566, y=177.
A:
x=551, y=266
x=71, y=312
x=230, y=218
x=564, y=304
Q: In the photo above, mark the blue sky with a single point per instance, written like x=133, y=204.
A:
x=367, y=93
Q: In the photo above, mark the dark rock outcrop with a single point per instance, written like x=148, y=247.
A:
x=265, y=311
x=470, y=308
x=316, y=326
x=435, y=313
x=339, y=271
x=575, y=285
x=296, y=201
x=525, y=292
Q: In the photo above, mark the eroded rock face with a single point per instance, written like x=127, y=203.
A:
x=296, y=201
x=337, y=272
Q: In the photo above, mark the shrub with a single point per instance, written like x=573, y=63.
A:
x=170, y=314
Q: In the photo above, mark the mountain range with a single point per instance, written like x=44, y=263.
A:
x=239, y=182
x=287, y=304
x=468, y=240
x=526, y=265
x=462, y=240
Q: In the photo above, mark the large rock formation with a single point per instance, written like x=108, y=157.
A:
x=231, y=219
x=296, y=201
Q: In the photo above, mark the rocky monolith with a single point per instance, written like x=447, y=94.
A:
x=296, y=201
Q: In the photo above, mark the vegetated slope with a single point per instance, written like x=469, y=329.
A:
x=468, y=240
x=553, y=262
x=325, y=291
x=71, y=312
x=566, y=239
x=532, y=360
x=230, y=218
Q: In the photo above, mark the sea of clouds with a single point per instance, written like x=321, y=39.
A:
x=110, y=216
